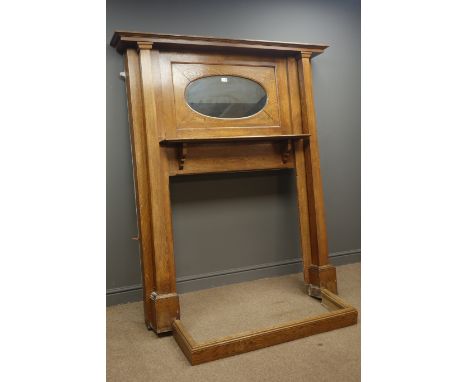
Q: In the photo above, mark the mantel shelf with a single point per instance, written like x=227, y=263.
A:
x=245, y=138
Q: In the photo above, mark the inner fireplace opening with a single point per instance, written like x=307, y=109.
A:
x=234, y=227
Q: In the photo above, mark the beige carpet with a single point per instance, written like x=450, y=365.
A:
x=135, y=354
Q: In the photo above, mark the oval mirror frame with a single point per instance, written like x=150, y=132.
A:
x=226, y=96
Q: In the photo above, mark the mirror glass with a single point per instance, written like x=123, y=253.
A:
x=225, y=96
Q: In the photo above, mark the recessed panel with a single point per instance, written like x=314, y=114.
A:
x=258, y=77
x=222, y=95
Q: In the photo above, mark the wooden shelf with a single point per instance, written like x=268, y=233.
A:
x=282, y=137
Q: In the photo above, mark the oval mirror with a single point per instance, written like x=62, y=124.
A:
x=225, y=96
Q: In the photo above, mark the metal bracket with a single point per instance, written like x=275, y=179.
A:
x=314, y=291
x=153, y=296
x=159, y=296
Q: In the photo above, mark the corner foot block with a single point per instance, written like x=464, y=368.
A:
x=322, y=277
x=166, y=310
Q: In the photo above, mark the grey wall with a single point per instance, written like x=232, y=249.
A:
x=258, y=210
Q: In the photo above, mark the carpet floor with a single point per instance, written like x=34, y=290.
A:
x=136, y=354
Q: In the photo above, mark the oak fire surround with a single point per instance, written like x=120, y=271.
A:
x=209, y=105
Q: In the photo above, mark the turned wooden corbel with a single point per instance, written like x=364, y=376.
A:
x=181, y=155
x=287, y=149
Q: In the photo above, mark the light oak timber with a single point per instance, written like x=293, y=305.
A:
x=218, y=157
x=322, y=277
x=286, y=151
x=166, y=309
x=316, y=207
x=140, y=170
x=123, y=40
x=301, y=187
x=171, y=139
x=179, y=69
x=245, y=138
x=165, y=282
x=271, y=78
x=341, y=315
x=177, y=114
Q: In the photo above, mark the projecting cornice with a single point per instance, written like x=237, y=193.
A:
x=122, y=41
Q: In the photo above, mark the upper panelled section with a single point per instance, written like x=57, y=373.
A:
x=177, y=70
x=184, y=74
